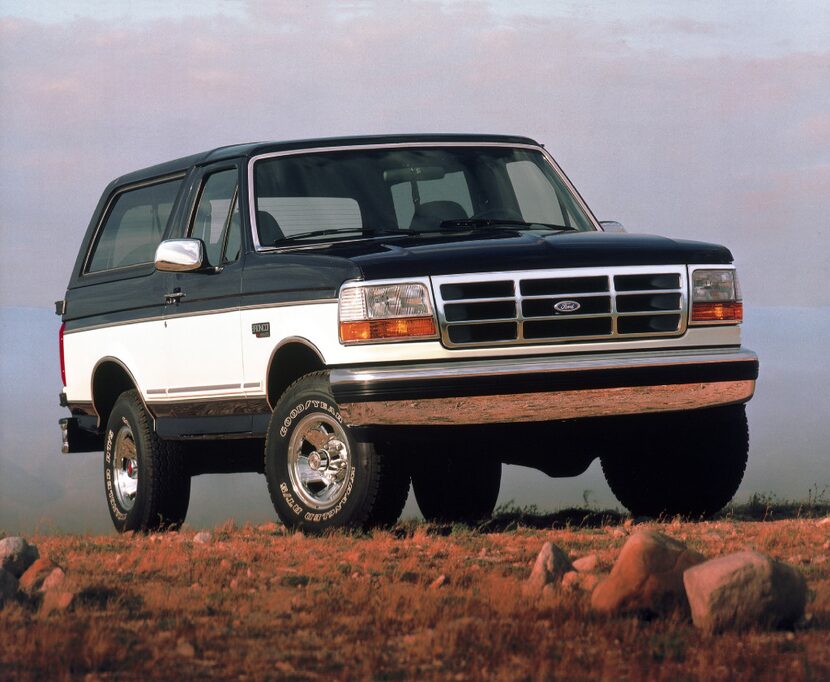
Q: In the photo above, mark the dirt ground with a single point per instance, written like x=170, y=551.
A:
x=258, y=603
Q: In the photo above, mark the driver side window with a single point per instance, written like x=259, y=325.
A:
x=216, y=219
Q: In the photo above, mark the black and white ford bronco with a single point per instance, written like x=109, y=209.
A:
x=349, y=315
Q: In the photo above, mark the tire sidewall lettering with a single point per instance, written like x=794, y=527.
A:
x=108, y=483
x=310, y=404
x=289, y=499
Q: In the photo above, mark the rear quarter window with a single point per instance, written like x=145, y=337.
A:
x=134, y=226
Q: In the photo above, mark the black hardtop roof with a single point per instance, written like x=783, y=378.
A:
x=254, y=148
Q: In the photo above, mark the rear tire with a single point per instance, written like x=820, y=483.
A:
x=450, y=487
x=146, y=482
x=689, y=464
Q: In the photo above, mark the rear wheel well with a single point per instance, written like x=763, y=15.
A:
x=110, y=380
x=290, y=362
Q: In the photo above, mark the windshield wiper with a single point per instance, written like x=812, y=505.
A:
x=494, y=222
x=331, y=231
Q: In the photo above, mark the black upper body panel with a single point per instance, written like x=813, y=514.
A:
x=498, y=250
x=250, y=149
x=278, y=278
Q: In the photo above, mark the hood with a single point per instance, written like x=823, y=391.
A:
x=500, y=250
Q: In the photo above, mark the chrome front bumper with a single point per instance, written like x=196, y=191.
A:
x=544, y=388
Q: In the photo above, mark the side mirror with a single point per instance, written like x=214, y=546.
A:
x=180, y=255
x=611, y=226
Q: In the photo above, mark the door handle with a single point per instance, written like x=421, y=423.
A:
x=174, y=296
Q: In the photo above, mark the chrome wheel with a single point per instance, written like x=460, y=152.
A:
x=125, y=468
x=319, y=462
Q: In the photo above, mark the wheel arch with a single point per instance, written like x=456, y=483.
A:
x=291, y=359
x=110, y=378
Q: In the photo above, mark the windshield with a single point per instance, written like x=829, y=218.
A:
x=369, y=192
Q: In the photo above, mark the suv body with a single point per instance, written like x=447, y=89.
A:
x=350, y=314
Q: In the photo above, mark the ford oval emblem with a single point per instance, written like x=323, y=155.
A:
x=566, y=307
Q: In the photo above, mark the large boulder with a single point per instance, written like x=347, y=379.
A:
x=551, y=564
x=8, y=587
x=647, y=577
x=744, y=590
x=16, y=555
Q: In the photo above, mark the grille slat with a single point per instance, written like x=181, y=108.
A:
x=469, y=323
x=648, y=302
x=480, y=300
x=477, y=290
x=490, y=310
x=572, y=317
x=594, y=304
x=647, y=282
x=646, y=324
x=482, y=333
x=648, y=314
x=567, y=328
x=563, y=286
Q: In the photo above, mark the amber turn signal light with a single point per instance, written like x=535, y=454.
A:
x=369, y=330
x=726, y=311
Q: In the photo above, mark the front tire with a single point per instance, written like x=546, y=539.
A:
x=319, y=476
x=689, y=464
x=146, y=482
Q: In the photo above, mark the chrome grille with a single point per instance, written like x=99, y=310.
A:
x=556, y=306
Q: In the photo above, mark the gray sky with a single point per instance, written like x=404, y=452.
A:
x=704, y=120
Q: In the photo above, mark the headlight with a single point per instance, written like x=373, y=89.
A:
x=385, y=312
x=716, y=297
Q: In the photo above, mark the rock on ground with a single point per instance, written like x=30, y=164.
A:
x=743, y=590
x=185, y=649
x=32, y=580
x=269, y=527
x=573, y=580
x=16, y=555
x=56, y=600
x=647, y=577
x=8, y=586
x=202, y=537
x=551, y=564
x=586, y=564
x=439, y=582
x=54, y=580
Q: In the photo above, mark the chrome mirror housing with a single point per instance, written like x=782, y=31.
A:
x=611, y=226
x=180, y=255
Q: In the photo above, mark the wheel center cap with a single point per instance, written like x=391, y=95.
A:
x=318, y=461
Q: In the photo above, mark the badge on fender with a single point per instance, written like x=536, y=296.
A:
x=261, y=330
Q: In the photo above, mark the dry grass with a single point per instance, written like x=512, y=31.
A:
x=263, y=604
